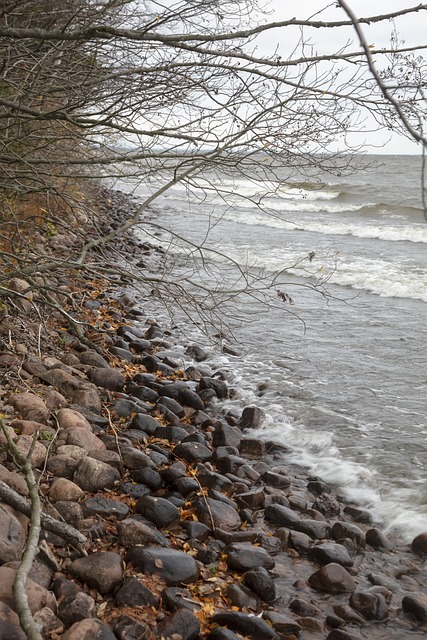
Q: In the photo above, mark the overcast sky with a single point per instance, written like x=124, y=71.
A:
x=412, y=29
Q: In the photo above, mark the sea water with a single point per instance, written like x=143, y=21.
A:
x=338, y=359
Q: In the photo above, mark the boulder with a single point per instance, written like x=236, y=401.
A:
x=93, y=475
x=30, y=407
x=332, y=578
x=102, y=571
x=242, y=557
x=174, y=567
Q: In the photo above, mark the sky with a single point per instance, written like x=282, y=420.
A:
x=411, y=28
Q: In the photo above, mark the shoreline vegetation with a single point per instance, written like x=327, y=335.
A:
x=162, y=517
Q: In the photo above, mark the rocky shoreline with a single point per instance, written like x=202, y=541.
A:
x=193, y=528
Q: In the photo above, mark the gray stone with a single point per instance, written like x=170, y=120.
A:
x=135, y=459
x=30, y=407
x=182, y=624
x=251, y=418
x=107, y=378
x=174, y=567
x=416, y=605
x=261, y=583
x=132, y=532
x=133, y=593
x=174, y=598
x=93, y=475
x=93, y=359
x=102, y=571
x=371, y=606
x=281, y=516
x=193, y=452
x=104, y=507
x=246, y=624
x=242, y=597
x=282, y=624
x=332, y=578
x=242, y=557
x=160, y=511
x=12, y=536
x=330, y=552
x=347, y=530
x=128, y=628
x=74, y=607
x=224, y=435
x=223, y=515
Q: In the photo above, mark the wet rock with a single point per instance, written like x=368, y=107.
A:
x=174, y=567
x=193, y=452
x=339, y=634
x=196, y=530
x=160, y=511
x=246, y=624
x=93, y=475
x=314, y=528
x=252, y=448
x=253, y=500
x=63, y=489
x=304, y=608
x=38, y=596
x=277, y=480
x=70, y=419
x=191, y=399
x=12, y=536
x=242, y=597
x=242, y=557
x=261, y=583
x=376, y=539
x=182, y=623
x=128, y=628
x=330, y=552
x=107, y=378
x=282, y=624
x=419, y=543
x=300, y=541
x=358, y=515
x=347, y=530
x=123, y=354
x=251, y=418
x=89, y=630
x=102, y=571
x=281, y=516
x=132, y=532
x=226, y=436
x=104, y=507
x=347, y=614
x=318, y=487
x=219, y=387
x=223, y=515
x=327, y=505
x=30, y=407
x=133, y=593
x=332, y=578
x=172, y=405
x=416, y=605
x=196, y=352
x=371, y=606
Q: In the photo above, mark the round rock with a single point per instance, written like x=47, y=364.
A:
x=332, y=578
x=242, y=557
x=175, y=567
x=102, y=571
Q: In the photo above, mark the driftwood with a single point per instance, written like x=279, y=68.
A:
x=66, y=531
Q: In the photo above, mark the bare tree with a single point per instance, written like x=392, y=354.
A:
x=180, y=92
